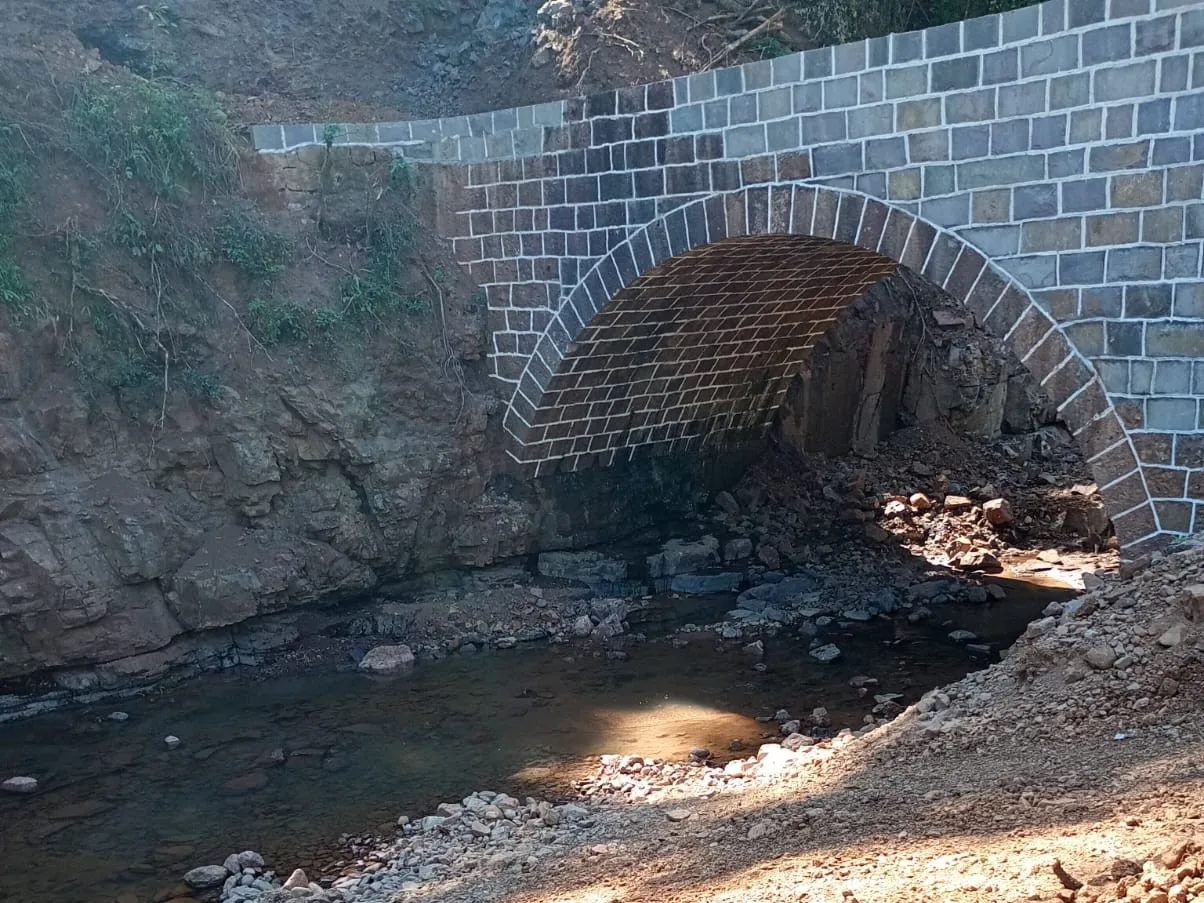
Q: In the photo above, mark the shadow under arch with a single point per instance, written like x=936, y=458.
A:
x=730, y=266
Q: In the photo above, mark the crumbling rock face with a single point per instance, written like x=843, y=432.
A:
x=906, y=354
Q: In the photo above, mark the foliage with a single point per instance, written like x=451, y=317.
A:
x=15, y=294
x=842, y=21
x=202, y=383
x=767, y=47
x=13, y=182
x=249, y=242
x=277, y=322
x=169, y=139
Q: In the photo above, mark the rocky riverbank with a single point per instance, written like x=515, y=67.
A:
x=1069, y=771
x=801, y=541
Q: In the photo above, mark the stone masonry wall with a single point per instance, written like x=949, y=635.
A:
x=1046, y=166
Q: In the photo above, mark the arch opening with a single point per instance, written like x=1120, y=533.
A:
x=687, y=336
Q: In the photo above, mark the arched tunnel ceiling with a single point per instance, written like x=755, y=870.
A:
x=700, y=347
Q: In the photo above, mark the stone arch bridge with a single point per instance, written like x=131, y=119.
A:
x=659, y=260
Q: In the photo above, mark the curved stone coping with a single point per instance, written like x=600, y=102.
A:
x=411, y=138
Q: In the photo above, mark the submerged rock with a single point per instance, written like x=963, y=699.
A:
x=204, y=876
x=20, y=785
x=826, y=653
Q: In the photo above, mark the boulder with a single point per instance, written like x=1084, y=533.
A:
x=205, y=876
x=737, y=549
x=1100, y=657
x=997, y=512
x=387, y=659
x=698, y=584
x=825, y=653
x=679, y=556
x=588, y=567
x=789, y=591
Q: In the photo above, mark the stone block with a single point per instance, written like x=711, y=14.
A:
x=1185, y=183
x=1189, y=302
x=1174, y=340
x=823, y=128
x=1001, y=67
x=866, y=121
x=1020, y=24
x=970, y=106
x=774, y=103
x=1049, y=132
x=1172, y=377
x=1066, y=164
x=995, y=241
x=907, y=81
x=1003, y=171
x=1022, y=100
x=991, y=206
x=1118, y=123
x=1059, y=54
x=1081, y=268
x=1052, y=235
x=1010, y=136
x=1148, y=301
x=969, y=142
x=1085, y=194
x=1102, y=301
x=745, y=141
x=1034, y=271
x=817, y=63
x=1110, y=158
x=1086, y=126
x=981, y=33
x=918, y=114
x=1162, y=226
x=1124, y=339
x=1107, y=45
x=1137, y=189
x=1112, y=229
x=955, y=75
x=903, y=185
x=1134, y=264
x=886, y=153
x=1123, y=82
x=1067, y=91
x=927, y=147
x=1174, y=414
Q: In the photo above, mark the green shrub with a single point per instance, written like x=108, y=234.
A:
x=842, y=21
x=15, y=294
x=202, y=384
x=277, y=322
x=248, y=242
x=168, y=138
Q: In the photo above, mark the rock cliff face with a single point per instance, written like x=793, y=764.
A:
x=906, y=353
x=134, y=546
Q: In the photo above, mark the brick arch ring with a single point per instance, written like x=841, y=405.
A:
x=622, y=331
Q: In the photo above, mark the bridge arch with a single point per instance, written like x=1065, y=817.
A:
x=688, y=332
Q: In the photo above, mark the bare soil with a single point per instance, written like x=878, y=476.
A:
x=370, y=60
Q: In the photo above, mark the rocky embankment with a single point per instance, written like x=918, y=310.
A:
x=1091, y=719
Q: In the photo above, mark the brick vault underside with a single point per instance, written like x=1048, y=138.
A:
x=699, y=349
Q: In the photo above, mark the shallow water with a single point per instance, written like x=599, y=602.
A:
x=118, y=813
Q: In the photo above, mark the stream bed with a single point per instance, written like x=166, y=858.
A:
x=286, y=765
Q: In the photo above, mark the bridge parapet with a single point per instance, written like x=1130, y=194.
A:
x=1061, y=146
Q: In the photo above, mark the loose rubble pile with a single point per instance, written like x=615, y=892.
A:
x=1128, y=652
x=485, y=833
